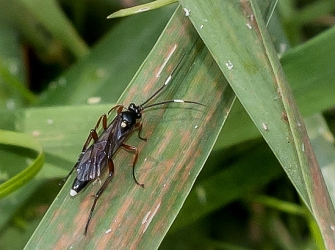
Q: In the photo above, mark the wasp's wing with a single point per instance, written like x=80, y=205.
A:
x=94, y=159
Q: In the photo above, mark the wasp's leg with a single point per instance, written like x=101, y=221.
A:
x=93, y=135
x=139, y=127
x=102, y=188
x=119, y=108
x=134, y=150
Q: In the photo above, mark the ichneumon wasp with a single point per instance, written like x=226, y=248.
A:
x=96, y=156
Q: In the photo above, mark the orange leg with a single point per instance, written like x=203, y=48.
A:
x=134, y=150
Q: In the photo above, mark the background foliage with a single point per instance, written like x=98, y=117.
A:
x=56, y=57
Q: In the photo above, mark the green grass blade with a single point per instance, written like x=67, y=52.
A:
x=245, y=54
x=306, y=69
x=306, y=80
x=141, y=8
x=54, y=20
x=26, y=141
x=322, y=141
x=180, y=139
x=16, y=85
x=235, y=182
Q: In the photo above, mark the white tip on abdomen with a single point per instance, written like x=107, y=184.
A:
x=73, y=193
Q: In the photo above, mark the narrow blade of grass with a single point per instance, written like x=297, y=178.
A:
x=54, y=20
x=245, y=54
x=180, y=138
x=26, y=141
x=141, y=8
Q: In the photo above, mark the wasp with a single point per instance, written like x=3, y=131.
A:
x=97, y=155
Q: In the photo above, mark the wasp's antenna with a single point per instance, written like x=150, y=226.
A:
x=168, y=79
x=171, y=101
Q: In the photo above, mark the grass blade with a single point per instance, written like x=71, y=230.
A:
x=26, y=141
x=180, y=139
x=248, y=60
x=141, y=8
